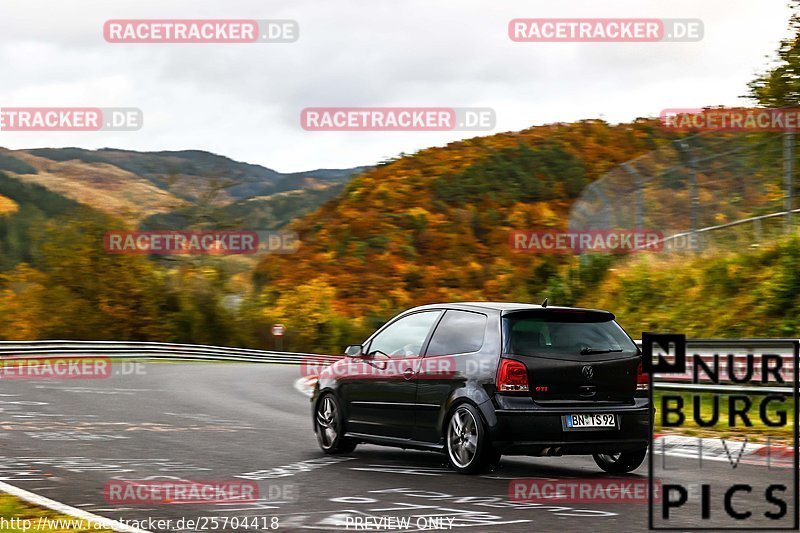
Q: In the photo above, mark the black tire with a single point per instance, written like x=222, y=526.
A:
x=620, y=463
x=466, y=441
x=329, y=428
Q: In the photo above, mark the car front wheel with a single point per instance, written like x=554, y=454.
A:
x=620, y=463
x=329, y=428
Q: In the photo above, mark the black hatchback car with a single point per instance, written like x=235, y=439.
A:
x=481, y=380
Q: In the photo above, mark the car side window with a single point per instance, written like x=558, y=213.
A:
x=458, y=332
x=405, y=337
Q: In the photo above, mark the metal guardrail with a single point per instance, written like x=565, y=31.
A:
x=720, y=226
x=197, y=352
x=150, y=350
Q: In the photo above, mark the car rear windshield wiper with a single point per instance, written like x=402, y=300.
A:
x=590, y=351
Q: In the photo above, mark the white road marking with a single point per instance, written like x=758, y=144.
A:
x=399, y=469
x=63, y=508
x=292, y=469
x=74, y=436
x=89, y=390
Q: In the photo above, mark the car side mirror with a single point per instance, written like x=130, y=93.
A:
x=354, y=350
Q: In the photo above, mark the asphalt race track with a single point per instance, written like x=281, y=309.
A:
x=66, y=439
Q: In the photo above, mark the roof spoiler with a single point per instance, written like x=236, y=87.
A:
x=553, y=312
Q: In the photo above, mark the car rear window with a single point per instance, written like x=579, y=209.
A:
x=558, y=332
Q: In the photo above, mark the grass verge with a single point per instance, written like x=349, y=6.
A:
x=18, y=516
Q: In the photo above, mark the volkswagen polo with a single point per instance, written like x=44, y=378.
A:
x=480, y=380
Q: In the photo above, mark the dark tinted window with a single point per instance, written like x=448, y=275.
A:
x=563, y=332
x=458, y=332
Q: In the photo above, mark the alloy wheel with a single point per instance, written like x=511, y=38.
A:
x=327, y=422
x=462, y=436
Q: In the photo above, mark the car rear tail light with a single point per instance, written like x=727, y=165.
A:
x=512, y=376
x=642, y=379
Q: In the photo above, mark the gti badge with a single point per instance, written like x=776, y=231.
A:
x=588, y=372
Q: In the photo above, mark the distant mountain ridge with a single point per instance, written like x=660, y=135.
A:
x=138, y=185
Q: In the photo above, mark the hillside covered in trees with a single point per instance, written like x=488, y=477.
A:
x=435, y=226
x=425, y=227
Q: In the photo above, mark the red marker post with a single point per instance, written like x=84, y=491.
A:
x=277, y=331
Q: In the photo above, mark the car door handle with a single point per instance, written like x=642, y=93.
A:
x=408, y=373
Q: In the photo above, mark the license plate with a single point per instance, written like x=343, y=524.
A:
x=590, y=421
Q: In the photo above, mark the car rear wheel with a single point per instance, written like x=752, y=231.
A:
x=329, y=428
x=467, y=442
x=620, y=463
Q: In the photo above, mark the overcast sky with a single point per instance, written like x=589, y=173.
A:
x=244, y=100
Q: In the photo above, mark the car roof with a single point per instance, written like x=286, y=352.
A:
x=501, y=307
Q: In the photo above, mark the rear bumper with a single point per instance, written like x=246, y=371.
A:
x=540, y=431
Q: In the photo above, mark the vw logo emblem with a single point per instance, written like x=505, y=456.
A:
x=588, y=372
